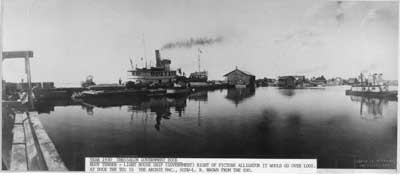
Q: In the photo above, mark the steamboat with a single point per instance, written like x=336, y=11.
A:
x=373, y=87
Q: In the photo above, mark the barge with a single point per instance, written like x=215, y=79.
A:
x=178, y=91
x=117, y=93
x=135, y=93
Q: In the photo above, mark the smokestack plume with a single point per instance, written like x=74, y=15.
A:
x=158, y=58
x=189, y=43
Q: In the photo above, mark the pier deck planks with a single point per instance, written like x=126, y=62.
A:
x=19, y=118
x=18, y=158
x=32, y=149
x=18, y=149
x=18, y=134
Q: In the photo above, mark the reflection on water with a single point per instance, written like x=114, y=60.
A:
x=238, y=95
x=160, y=106
x=48, y=105
x=323, y=124
x=370, y=108
x=287, y=92
x=198, y=96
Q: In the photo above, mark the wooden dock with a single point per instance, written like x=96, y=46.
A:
x=32, y=149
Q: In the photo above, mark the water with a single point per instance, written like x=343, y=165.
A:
x=339, y=130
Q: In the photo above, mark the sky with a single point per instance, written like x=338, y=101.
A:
x=72, y=39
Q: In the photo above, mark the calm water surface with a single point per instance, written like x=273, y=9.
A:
x=340, y=131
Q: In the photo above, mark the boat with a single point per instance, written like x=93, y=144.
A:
x=156, y=92
x=106, y=87
x=178, y=90
x=376, y=91
x=371, y=86
x=240, y=86
x=160, y=74
x=199, y=76
x=113, y=93
x=198, y=79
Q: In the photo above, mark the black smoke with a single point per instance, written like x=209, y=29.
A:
x=339, y=13
x=191, y=42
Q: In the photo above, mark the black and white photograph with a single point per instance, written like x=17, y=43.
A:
x=200, y=79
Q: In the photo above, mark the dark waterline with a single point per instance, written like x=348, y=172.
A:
x=340, y=131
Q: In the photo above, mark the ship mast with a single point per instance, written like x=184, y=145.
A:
x=198, y=58
x=144, y=49
x=198, y=115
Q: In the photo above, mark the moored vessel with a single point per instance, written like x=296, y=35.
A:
x=378, y=91
x=373, y=86
x=160, y=74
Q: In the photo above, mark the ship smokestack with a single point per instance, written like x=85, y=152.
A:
x=158, y=58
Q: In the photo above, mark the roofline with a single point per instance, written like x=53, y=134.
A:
x=240, y=71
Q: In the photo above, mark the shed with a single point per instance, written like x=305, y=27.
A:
x=240, y=77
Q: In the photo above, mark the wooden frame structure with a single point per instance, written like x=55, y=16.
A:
x=26, y=55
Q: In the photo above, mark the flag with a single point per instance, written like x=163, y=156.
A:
x=199, y=50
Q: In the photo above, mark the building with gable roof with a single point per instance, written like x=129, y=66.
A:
x=240, y=77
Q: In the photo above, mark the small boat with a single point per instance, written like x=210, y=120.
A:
x=177, y=91
x=157, y=92
x=110, y=93
x=377, y=91
x=239, y=86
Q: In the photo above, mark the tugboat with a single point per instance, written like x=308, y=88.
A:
x=161, y=74
x=372, y=87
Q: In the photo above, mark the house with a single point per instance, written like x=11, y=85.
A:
x=335, y=81
x=319, y=80
x=291, y=81
x=265, y=82
x=240, y=77
x=352, y=81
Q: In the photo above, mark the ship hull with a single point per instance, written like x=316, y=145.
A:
x=388, y=94
x=114, y=94
x=178, y=92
